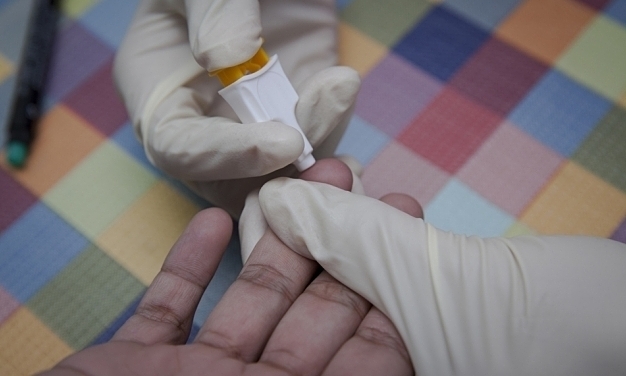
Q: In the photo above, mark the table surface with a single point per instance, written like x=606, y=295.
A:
x=502, y=117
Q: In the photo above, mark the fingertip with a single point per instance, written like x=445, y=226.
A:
x=330, y=171
x=214, y=223
x=405, y=203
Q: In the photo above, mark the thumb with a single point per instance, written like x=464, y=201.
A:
x=223, y=33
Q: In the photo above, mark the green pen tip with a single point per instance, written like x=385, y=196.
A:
x=16, y=153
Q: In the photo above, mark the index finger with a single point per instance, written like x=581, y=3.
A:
x=165, y=313
x=272, y=278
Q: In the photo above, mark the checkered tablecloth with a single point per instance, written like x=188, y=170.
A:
x=501, y=117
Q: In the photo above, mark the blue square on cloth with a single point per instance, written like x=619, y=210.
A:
x=34, y=249
x=441, y=43
x=559, y=112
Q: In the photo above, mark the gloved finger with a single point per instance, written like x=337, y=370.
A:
x=165, y=313
x=190, y=146
x=326, y=99
x=252, y=224
x=366, y=244
x=152, y=65
x=155, y=48
x=223, y=33
x=377, y=348
x=327, y=314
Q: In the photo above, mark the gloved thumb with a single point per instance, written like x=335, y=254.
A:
x=366, y=244
x=223, y=33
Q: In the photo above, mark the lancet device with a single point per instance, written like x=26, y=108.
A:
x=258, y=90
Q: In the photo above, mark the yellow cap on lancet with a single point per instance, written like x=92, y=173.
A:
x=231, y=74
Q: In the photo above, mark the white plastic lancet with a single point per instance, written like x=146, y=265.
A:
x=259, y=91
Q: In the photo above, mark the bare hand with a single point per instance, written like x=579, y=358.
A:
x=280, y=317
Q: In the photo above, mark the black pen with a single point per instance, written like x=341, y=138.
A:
x=31, y=79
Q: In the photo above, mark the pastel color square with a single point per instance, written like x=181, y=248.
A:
x=486, y=13
x=498, y=76
x=15, y=199
x=116, y=324
x=385, y=22
x=76, y=8
x=125, y=138
x=595, y=4
x=604, y=151
x=27, y=346
x=393, y=93
x=8, y=305
x=98, y=102
x=12, y=24
x=577, y=202
x=397, y=170
x=362, y=141
x=62, y=141
x=141, y=237
x=510, y=168
x=34, y=249
x=3, y=3
x=7, y=368
x=358, y=50
x=620, y=233
x=559, y=112
x=195, y=329
x=77, y=55
x=100, y=189
x=459, y=209
x=448, y=138
x=617, y=11
x=6, y=68
x=110, y=19
x=519, y=229
x=79, y=302
x=545, y=28
x=598, y=58
x=441, y=43
x=341, y=4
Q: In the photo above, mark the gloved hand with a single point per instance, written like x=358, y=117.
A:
x=188, y=130
x=531, y=305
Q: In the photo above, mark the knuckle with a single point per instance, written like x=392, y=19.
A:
x=383, y=336
x=162, y=313
x=329, y=289
x=270, y=278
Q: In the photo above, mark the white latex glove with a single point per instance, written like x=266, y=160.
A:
x=188, y=130
x=549, y=305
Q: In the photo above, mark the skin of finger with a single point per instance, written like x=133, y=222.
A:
x=269, y=283
x=330, y=171
x=377, y=347
x=165, y=313
x=325, y=316
x=251, y=308
x=405, y=203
